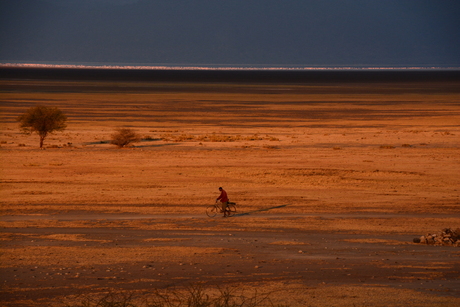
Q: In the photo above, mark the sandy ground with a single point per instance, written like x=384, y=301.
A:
x=332, y=183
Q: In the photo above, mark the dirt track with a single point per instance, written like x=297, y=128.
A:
x=362, y=170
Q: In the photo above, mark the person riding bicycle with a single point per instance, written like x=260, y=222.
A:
x=224, y=200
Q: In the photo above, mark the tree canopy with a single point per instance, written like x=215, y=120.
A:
x=43, y=121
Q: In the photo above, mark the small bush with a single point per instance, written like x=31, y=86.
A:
x=122, y=137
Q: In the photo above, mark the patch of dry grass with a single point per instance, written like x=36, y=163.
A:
x=378, y=241
x=214, y=138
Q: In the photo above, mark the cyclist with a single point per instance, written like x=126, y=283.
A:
x=224, y=200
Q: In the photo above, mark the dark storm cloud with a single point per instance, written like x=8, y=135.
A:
x=272, y=32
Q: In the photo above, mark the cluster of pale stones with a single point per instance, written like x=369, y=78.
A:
x=447, y=236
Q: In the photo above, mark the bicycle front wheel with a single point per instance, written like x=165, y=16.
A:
x=231, y=210
x=211, y=211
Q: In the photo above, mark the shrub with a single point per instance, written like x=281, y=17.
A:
x=123, y=137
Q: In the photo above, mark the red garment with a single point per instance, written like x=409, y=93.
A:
x=223, y=196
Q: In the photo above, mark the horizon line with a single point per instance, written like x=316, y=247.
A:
x=218, y=67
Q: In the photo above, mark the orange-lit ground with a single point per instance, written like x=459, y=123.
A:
x=332, y=182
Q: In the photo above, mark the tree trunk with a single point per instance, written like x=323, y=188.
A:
x=42, y=138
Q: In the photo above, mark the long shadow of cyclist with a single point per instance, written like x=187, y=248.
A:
x=260, y=210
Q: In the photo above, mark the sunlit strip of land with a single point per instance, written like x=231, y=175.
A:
x=166, y=67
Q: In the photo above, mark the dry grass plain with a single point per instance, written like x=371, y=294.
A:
x=332, y=181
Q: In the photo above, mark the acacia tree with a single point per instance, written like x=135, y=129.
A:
x=124, y=136
x=43, y=121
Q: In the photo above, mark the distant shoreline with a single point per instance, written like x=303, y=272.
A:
x=223, y=67
x=221, y=75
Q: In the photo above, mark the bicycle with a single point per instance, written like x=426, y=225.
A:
x=212, y=210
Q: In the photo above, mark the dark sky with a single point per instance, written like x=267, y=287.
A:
x=232, y=32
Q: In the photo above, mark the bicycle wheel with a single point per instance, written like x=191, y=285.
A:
x=211, y=211
x=231, y=209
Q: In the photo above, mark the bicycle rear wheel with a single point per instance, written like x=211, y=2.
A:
x=211, y=211
x=231, y=209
